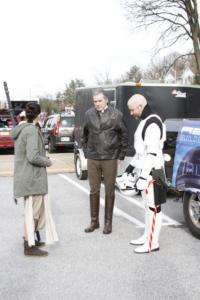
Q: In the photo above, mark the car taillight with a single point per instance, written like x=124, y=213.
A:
x=56, y=129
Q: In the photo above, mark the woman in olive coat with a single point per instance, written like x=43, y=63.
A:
x=30, y=180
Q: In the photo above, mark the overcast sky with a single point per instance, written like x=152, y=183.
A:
x=46, y=43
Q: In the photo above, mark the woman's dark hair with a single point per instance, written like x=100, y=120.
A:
x=33, y=109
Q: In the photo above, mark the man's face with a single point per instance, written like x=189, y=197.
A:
x=100, y=102
x=135, y=110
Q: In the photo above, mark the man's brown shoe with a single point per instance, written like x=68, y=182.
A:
x=92, y=227
x=107, y=229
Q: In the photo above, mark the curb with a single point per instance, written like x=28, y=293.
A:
x=49, y=172
x=57, y=171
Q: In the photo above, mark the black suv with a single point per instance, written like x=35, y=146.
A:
x=58, y=131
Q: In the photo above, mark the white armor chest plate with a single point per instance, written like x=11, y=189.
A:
x=149, y=144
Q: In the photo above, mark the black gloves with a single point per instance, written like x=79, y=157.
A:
x=129, y=169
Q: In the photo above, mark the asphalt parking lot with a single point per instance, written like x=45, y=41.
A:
x=93, y=266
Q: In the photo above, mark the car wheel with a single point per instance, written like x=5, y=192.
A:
x=81, y=174
x=191, y=210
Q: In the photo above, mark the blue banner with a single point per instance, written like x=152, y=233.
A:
x=186, y=169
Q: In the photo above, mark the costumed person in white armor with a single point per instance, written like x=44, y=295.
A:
x=148, y=163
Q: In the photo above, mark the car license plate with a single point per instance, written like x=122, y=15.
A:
x=65, y=139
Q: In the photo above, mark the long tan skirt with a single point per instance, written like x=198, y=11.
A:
x=38, y=211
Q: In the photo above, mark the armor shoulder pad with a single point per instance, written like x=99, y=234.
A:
x=152, y=120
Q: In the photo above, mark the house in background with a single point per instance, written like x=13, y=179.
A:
x=185, y=76
x=170, y=78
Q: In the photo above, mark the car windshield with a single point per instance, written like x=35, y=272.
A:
x=67, y=122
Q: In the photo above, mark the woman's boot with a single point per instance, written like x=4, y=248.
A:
x=38, y=241
x=33, y=250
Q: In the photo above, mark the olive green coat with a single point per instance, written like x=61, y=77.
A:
x=30, y=176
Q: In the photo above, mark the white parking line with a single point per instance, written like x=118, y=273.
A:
x=167, y=220
x=118, y=212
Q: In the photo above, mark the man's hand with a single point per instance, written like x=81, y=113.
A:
x=129, y=169
x=141, y=184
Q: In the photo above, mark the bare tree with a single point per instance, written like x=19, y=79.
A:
x=103, y=78
x=158, y=68
x=177, y=19
x=48, y=105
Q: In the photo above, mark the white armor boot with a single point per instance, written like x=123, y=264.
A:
x=154, y=245
x=142, y=239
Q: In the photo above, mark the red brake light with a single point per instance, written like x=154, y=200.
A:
x=56, y=129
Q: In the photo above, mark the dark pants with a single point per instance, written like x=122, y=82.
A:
x=107, y=168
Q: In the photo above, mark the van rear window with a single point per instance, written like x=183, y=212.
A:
x=67, y=122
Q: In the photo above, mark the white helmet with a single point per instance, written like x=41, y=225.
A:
x=126, y=184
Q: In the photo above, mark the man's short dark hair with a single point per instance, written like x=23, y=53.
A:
x=33, y=109
x=99, y=91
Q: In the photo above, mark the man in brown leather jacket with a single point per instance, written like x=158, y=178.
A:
x=105, y=140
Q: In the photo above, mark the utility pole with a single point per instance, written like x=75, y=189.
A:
x=10, y=108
